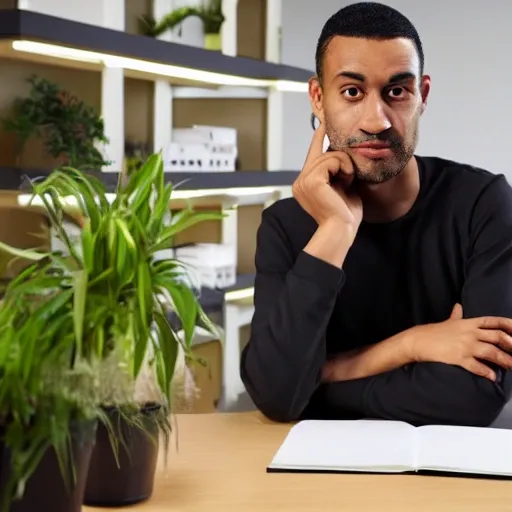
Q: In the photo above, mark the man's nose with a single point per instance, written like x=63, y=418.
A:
x=374, y=119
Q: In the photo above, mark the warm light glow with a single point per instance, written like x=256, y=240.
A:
x=234, y=192
x=154, y=68
x=71, y=202
x=245, y=293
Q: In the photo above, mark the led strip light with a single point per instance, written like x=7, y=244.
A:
x=154, y=68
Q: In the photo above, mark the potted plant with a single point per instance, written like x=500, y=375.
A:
x=210, y=13
x=124, y=459
x=109, y=304
x=212, y=16
x=48, y=388
x=69, y=128
x=149, y=26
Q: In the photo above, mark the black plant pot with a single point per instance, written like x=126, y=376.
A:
x=113, y=484
x=46, y=489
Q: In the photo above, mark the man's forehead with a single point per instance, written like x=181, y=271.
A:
x=370, y=56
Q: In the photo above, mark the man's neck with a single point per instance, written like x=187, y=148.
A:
x=391, y=200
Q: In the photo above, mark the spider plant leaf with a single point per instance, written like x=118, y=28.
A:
x=185, y=220
x=23, y=253
x=87, y=246
x=80, y=295
x=168, y=346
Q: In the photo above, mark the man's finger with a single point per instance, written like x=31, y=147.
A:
x=488, y=352
x=316, y=148
x=495, y=322
x=496, y=337
x=457, y=313
x=480, y=369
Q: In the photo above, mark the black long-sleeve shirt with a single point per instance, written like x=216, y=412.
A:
x=454, y=245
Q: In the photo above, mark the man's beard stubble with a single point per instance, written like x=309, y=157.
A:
x=376, y=171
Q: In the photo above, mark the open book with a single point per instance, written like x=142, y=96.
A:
x=381, y=446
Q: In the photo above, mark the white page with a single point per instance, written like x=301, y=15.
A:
x=465, y=449
x=349, y=445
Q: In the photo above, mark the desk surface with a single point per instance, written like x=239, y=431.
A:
x=220, y=467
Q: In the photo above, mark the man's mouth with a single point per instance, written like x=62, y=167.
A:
x=373, y=149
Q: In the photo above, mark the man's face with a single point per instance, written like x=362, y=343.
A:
x=371, y=99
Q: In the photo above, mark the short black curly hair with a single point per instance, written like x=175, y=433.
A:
x=367, y=20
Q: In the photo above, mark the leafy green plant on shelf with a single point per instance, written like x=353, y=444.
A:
x=70, y=129
x=79, y=328
x=210, y=13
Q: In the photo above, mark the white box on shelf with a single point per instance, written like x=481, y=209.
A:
x=190, y=136
x=192, y=157
x=202, y=148
x=218, y=134
x=213, y=265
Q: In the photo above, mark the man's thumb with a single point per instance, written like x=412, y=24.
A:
x=456, y=312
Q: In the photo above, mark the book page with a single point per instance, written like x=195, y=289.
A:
x=465, y=450
x=350, y=445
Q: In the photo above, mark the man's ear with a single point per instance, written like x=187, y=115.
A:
x=425, y=90
x=316, y=98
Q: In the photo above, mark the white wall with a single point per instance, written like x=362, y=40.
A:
x=90, y=11
x=106, y=13
x=466, y=53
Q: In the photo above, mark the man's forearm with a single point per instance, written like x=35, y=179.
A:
x=372, y=360
x=421, y=394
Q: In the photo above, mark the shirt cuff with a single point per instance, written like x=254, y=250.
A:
x=319, y=272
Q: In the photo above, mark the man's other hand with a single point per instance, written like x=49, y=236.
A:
x=468, y=343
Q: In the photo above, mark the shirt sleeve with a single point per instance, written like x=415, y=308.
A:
x=426, y=393
x=294, y=299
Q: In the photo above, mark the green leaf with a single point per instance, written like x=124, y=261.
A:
x=145, y=307
x=186, y=220
x=80, y=296
x=88, y=246
x=186, y=307
x=23, y=253
x=40, y=319
x=168, y=346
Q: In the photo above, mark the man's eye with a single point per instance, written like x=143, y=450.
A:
x=396, y=92
x=351, y=92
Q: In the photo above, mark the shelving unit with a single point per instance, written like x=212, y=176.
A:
x=143, y=88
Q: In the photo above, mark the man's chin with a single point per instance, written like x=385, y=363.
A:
x=375, y=176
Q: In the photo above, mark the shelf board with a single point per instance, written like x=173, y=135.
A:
x=21, y=25
x=216, y=182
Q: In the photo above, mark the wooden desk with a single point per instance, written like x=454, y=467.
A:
x=221, y=466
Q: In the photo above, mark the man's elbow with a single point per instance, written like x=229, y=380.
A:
x=479, y=401
x=278, y=412
x=273, y=404
x=479, y=414
x=488, y=400
x=273, y=399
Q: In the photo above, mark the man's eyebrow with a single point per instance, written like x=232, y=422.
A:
x=396, y=78
x=401, y=77
x=351, y=74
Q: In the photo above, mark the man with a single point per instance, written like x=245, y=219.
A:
x=384, y=287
